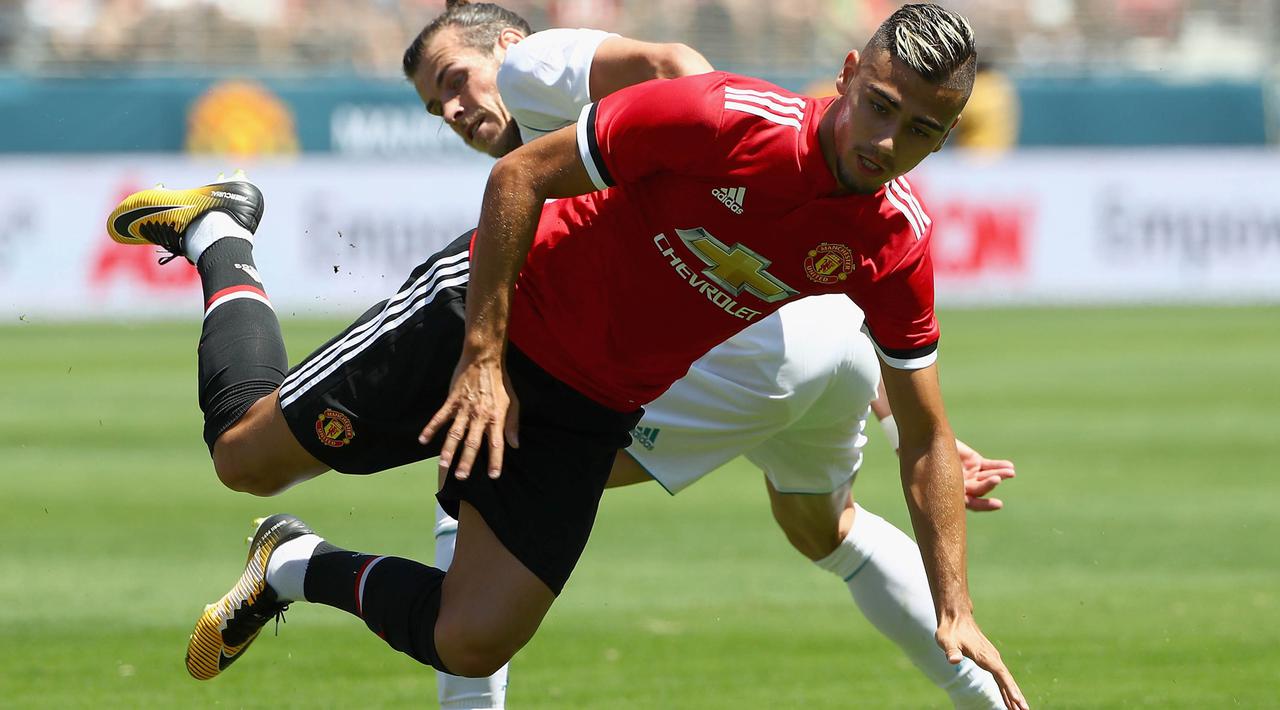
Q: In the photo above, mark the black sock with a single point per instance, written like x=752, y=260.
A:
x=242, y=357
x=398, y=599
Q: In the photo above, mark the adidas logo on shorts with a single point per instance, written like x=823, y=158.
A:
x=730, y=197
x=646, y=435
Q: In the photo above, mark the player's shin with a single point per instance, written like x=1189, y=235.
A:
x=398, y=599
x=241, y=354
x=886, y=577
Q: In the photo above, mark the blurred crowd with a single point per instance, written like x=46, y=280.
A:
x=1220, y=37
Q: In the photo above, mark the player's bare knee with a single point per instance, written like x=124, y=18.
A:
x=812, y=534
x=811, y=522
x=814, y=543
x=476, y=664
x=244, y=479
x=241, y=472
x=469, y=653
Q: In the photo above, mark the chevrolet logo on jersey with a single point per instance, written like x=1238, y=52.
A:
x=735, y=269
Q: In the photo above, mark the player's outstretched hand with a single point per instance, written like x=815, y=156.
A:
x=981, y=476
x=482, y=406
x=961, y=637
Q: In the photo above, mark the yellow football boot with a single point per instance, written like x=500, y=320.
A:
x=160, y=216
x=227, y=627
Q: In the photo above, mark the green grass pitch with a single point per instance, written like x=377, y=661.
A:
x=1136, y=564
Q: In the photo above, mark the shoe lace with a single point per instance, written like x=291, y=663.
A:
x=165, y=236
x=280, y=617
x=260, y=618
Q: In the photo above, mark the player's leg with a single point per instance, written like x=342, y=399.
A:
x=241, y=355
x=534, y=519
x=814, y=524
x=882, y=568
x=490, y=692
x=358, y=404
x=707, y=418
x=518, y=539
x=456, y=692
x=808, y=467
x=492, y=603
x=260, y=455
x=470, y=621
x=627, y=471
x=473, y=620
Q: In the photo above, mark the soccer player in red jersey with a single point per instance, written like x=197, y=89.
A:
x=531, y=344
x=789, y=393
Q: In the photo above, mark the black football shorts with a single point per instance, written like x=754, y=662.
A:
x=359, y=402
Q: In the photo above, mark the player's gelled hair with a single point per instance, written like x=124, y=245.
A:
x=934, y=41
x=479, y=24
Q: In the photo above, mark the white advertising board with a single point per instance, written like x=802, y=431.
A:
x=336, y=236
x=1187, y=226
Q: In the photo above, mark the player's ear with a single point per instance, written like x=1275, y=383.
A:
x=847, y=72
x=509, y=36
x=946, y=135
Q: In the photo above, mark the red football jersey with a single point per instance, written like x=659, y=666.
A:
x=716, y=208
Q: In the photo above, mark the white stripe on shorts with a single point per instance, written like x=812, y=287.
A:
x=449, y=271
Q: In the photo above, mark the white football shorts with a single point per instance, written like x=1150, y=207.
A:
x=791, y=393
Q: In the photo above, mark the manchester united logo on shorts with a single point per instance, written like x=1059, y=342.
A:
x=828, y=263
x=334, y=428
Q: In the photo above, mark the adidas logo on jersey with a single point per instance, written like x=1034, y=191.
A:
x=646, y=435
x=730, y=197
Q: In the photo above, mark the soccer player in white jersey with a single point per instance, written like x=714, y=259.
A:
x=790, y=393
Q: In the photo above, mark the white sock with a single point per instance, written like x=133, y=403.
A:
x=287, y=568
x=210, y=228
x=884, y=572
x=455, y=692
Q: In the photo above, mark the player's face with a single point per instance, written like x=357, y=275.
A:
x=459, y=83
x=888, y=119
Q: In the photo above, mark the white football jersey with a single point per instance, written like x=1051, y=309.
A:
x=545, y=79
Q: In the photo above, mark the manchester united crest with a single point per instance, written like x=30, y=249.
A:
x=828, y=263
x=334, y=429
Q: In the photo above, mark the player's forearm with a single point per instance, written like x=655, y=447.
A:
x=508, y=218
x=518, y=186
x=933, y=486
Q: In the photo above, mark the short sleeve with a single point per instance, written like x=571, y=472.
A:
x=545, y=78
x=899, y=308
x=663, y=125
